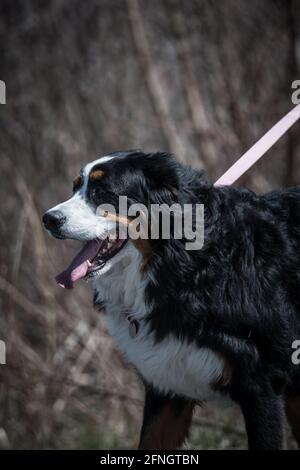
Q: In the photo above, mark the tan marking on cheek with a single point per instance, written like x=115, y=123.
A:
x=142, y=243
x=123, y=220
x=96, y=175
x=144, y=247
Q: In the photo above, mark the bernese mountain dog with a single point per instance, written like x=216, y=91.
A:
x=198, y=325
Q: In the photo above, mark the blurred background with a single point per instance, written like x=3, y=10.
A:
x=203, y=79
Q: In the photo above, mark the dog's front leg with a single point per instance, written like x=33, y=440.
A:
x=166, y=421
x=292, y=409
x=263, y=414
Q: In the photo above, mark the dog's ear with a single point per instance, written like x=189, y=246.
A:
x=162, y=178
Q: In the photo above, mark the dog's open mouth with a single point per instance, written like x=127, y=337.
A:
x=90, y=260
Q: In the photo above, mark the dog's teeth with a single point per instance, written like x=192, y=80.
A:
x=109, y=244
x=89, y=263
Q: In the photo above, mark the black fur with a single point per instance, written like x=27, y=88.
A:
x=239, y=294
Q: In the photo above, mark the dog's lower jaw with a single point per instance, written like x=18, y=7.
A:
x=120, y=283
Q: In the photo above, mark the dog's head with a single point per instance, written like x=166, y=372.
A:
x=92, y=214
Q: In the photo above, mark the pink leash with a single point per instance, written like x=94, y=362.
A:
x=259, y=149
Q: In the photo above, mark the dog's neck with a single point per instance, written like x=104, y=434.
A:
x=123, y=287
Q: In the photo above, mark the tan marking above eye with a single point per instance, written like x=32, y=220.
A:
x=96, y=175
x=77, y=182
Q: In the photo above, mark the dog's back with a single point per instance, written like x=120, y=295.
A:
x=258, y=262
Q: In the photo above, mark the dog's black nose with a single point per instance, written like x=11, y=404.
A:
x=53, y=220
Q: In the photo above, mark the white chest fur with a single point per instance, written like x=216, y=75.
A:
x=171, y=366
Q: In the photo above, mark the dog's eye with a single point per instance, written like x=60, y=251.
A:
x=77, y=183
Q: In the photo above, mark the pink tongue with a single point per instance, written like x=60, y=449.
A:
x=79, y=266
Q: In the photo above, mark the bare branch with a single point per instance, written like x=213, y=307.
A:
x=153, y=80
